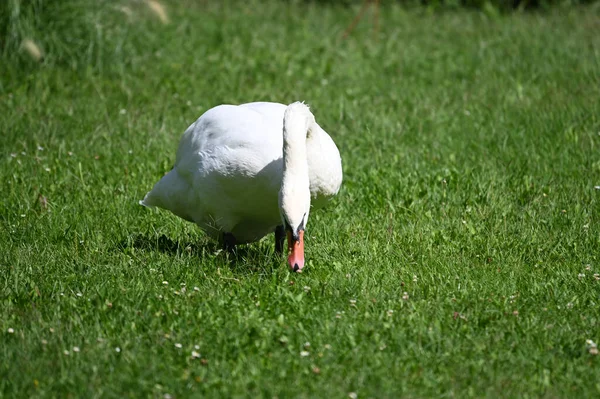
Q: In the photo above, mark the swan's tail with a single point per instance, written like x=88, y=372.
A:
x=154, y=197
x=170, y=193
x=145, y=202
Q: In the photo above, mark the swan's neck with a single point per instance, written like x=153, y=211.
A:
x=296, y=124
x=294, y=197
x=295, y=164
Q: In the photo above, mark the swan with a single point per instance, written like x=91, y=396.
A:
x=244, y=171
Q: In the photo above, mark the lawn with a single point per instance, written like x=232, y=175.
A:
x=460, y=258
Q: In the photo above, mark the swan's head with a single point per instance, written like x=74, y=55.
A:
x=294, y=206
x=295, y=218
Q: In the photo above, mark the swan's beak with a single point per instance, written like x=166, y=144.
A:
x=296, y=250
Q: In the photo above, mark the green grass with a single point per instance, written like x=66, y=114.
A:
x=471, y=149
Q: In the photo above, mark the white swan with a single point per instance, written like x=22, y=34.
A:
x=245, y=171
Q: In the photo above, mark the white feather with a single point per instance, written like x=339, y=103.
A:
x=229, y=170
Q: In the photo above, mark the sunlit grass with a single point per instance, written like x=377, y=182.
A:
x=460, y=258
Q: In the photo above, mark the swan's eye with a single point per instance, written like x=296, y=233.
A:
x=300, y=228
x=295, y=231
x=301, y=225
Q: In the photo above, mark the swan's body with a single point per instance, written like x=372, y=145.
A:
x=229, y=170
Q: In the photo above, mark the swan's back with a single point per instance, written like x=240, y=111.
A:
x=231, y=128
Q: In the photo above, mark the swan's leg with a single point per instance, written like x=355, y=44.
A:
x=228, y=241
x=279, y=239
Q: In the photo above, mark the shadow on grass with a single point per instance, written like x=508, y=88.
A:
x=244, y=259
x=165, y=245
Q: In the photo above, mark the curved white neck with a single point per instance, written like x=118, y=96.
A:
x=294, y=197
x=295, y=161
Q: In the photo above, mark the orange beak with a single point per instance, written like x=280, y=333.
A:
x=296, y=250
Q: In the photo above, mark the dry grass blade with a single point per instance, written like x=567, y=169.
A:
x=159, y=10
x=32, y=49
x=360, y=14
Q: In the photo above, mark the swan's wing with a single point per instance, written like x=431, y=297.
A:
x=227, y=169
x=247, y=135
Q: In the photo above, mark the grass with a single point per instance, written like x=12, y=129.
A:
x=457, y=261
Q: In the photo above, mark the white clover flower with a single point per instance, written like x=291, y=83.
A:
x=590, y=344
